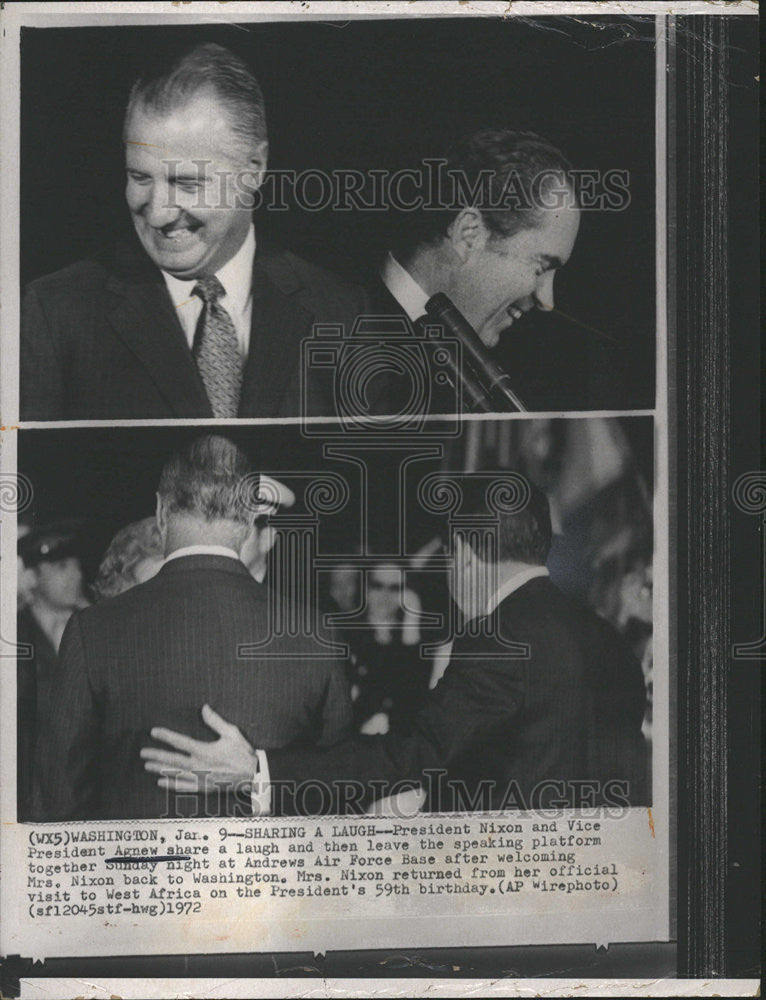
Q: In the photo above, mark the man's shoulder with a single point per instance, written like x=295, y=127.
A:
x=313, y=275
x=120, y=606
x=542, y=606
x=81, y=277
x=155, y=597
x=538, y=594
x=293, y=273
x=86, y=277
x=541, y=614
x=29, y=631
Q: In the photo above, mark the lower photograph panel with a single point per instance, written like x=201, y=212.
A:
x=318, y=691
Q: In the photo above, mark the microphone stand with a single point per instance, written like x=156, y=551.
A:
x=484, y=382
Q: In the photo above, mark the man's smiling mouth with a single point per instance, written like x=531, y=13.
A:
x=178, y=234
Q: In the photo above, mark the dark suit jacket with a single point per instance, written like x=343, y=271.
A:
x=100, y=340
x=34, y=676
x=552, y=365
x=401, y=383
x=570, y=711
x=153, y=656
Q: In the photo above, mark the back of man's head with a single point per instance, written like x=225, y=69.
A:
x=511, y=520
x=511, y=176
x=172, y=83
x=204, y=490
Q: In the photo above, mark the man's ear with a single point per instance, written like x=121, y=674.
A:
x=161, y=516
x=266, y=539
x=249, y=542
x=258, y=161
x=467, y=233
x=463, y=552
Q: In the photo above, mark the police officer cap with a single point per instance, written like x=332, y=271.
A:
x=49, y=543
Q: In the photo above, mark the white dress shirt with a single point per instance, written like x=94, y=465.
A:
x=404, y=288
x=236, y=276
x=203, y=550
x=513, y=583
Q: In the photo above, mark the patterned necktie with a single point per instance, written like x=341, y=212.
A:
x=216, y=350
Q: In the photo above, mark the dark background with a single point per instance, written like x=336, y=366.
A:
x=107, y=477
x=745, y=893
x=382, y=94
x=714, y=284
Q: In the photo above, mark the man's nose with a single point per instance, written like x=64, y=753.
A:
x=543, y=294
x=160, y=208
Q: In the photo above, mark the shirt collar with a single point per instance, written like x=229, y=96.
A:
x=203, y=550
x=514, y=583
x=404, y=288
x=236, y=276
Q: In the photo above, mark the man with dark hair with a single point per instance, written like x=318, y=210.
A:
x=166, y=647
x=540, y=706
x=510, y=219
x=501, y=219
x=191, y=316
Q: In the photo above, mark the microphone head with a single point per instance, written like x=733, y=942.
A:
x=437, y=303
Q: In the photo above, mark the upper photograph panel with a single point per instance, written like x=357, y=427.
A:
x=355, y=220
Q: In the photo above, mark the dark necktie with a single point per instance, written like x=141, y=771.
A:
x=216, y=350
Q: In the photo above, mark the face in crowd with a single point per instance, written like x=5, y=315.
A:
x=344, y=586
x=59, y=584
x=191, y=180
x=384, y=594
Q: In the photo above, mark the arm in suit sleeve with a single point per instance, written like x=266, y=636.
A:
x=41, y=376
x=337, y=712
x=68, y=736
x=473, y=698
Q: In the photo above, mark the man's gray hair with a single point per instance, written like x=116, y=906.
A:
x=205, y=67
x=208, y=479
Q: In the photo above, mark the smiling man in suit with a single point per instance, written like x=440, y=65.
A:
x=501, y=217
x=193, y=316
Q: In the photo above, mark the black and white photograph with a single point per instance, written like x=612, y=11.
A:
x=385, y=673
x=275, y=179
x=380, y=509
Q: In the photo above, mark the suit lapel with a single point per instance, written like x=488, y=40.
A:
x=384, y=301
x=279, y=324
x=144, y=319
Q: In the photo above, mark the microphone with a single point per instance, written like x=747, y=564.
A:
x=494, y=382
x=474, y=394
